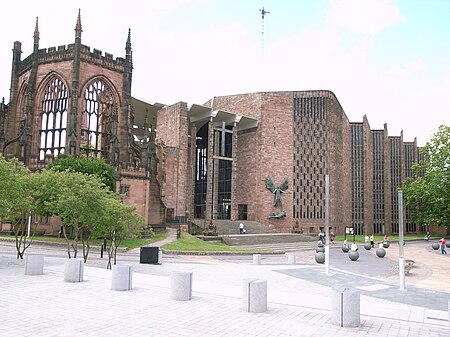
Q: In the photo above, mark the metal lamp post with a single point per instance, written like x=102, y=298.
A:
x=327, y=224
x=401, y=259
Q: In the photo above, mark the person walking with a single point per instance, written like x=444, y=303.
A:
x=443, y=251
x=241, y=228
x=332, y=237
x=371, y=241
x=321, y=237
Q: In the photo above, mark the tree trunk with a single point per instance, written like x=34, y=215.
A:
x=67, y=241
x=20, y=231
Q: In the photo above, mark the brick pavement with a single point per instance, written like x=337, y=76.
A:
x=45, y=305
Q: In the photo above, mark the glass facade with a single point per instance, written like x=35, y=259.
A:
x=379, y=181
x=201, y=172
x=224, y=135
x=395, y=145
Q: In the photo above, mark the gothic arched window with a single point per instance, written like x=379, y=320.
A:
x=52, y=133
x=98, y=128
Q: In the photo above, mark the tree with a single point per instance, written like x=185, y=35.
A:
x=76, y=198
x=15, y=202
x=116, y=222
x=428, y=194
x=87, y=165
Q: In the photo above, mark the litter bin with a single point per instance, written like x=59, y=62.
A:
x=149, y=255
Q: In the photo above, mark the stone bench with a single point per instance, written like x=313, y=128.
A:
x=345, y=307
x=34, y=264
x=122, y=277
x=74, y=270
x=254, y=295
x=181, y=286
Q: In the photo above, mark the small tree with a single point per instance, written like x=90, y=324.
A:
x=118, y=221
x=74, y=197
x=429, y=193
x=15, y=202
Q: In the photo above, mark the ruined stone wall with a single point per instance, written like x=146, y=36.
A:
x=172, y=136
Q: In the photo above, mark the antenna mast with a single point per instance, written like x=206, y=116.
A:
x=263, y=14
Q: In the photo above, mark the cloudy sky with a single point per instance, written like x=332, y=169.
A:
x=387, y=59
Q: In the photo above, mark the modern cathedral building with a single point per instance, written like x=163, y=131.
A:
x=260, y=156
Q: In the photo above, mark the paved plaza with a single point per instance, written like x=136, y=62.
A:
x=298, y=296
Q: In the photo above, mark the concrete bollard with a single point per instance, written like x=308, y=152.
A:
x=345, y=307
x=256, y=258
x=34, y=264
x=181, y=286
x=74, y=270
x=160, y=256
x=122, y=277
x=254, y=295
x=290, y=258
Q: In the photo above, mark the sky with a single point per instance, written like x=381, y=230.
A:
x=386, y=59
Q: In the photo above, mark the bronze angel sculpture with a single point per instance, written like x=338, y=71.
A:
x=277, y=190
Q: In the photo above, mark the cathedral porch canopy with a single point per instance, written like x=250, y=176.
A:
x=144, y=110
x=201, y=114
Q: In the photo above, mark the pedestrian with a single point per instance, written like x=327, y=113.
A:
x=354, y=247
x=241, y=228
x=332, y=237
x=322, y=237
x=427, y=236
x=371, y=241
x=443, y=251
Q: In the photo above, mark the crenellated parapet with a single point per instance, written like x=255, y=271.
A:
x=66, y=53
x=107, y=60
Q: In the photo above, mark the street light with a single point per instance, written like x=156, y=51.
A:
x=327, y=224
x=401, y=259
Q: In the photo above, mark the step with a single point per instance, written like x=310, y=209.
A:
x=273, y=238
x=229, y=227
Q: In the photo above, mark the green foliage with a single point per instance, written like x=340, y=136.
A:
x=428, y=194
x=13, y=188
x=116, y=222
x=87, y=165
x=72, y=189
x=74, y=197
x=15, y=202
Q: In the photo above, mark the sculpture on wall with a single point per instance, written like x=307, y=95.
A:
x=278, y=215
x=277, y=190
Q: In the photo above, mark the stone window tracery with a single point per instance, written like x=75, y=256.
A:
x=52, y=133
x=98, y=123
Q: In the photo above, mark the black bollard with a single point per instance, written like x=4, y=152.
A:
x=103, y=248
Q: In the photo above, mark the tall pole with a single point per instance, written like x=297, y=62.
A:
x=263, y=14
x=327, y=224
x=401, y=259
